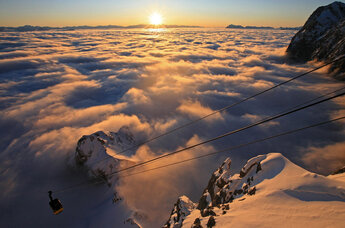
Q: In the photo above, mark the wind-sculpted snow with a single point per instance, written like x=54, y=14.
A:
x=56, y=86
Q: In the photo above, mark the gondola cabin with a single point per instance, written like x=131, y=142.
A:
x=55, y=204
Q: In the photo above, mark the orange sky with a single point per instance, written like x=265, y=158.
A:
x=217, y=13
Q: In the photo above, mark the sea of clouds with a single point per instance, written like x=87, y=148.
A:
x=57, y=86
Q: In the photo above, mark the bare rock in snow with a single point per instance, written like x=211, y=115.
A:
x=224, y=188
x=182, y=209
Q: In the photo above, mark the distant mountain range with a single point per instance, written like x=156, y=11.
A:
x=261, y=27
x=30, y=28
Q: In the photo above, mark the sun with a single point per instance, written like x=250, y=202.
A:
x=156, y=19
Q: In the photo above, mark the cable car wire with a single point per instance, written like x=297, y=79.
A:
x=231, y=132
x=206, y=155
x=236, y=147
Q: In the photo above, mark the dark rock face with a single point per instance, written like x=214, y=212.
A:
x=211, y=222
x=339, y=171
x=197, y=223
x=306, y=41
x=224, y=188
x=333, y=47
x=322, y=37
x=219, y=179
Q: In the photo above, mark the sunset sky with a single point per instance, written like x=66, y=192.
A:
x=216, y=13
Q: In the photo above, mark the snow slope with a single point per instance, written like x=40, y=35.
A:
x=270, y=191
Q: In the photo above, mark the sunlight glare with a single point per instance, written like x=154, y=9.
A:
x=156, y=19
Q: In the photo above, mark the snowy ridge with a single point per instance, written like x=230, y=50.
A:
x=270, y=191
x=98, y=152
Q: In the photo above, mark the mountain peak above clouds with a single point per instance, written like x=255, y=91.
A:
x=99, y=155
x=98, y=152
x=269, y=190
x=322, y=38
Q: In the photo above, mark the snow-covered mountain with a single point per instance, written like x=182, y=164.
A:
x=270, y=191
x=99, y=152
x=322, y=37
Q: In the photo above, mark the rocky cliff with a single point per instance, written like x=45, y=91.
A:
x=322, y=38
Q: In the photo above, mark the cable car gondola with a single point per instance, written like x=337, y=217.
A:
x=55, y=204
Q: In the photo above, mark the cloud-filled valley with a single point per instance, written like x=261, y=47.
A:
x=57, y=86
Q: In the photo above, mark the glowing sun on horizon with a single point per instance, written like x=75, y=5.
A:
x=156, y=19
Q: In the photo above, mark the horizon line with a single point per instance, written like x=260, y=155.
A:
x=144, y=25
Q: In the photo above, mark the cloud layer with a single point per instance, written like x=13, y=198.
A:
x=57, y=86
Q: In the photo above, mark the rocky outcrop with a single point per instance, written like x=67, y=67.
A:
x=224, y=188
x=98, y=152
x=221, y=190
x=181, y=210
x=322, y=38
